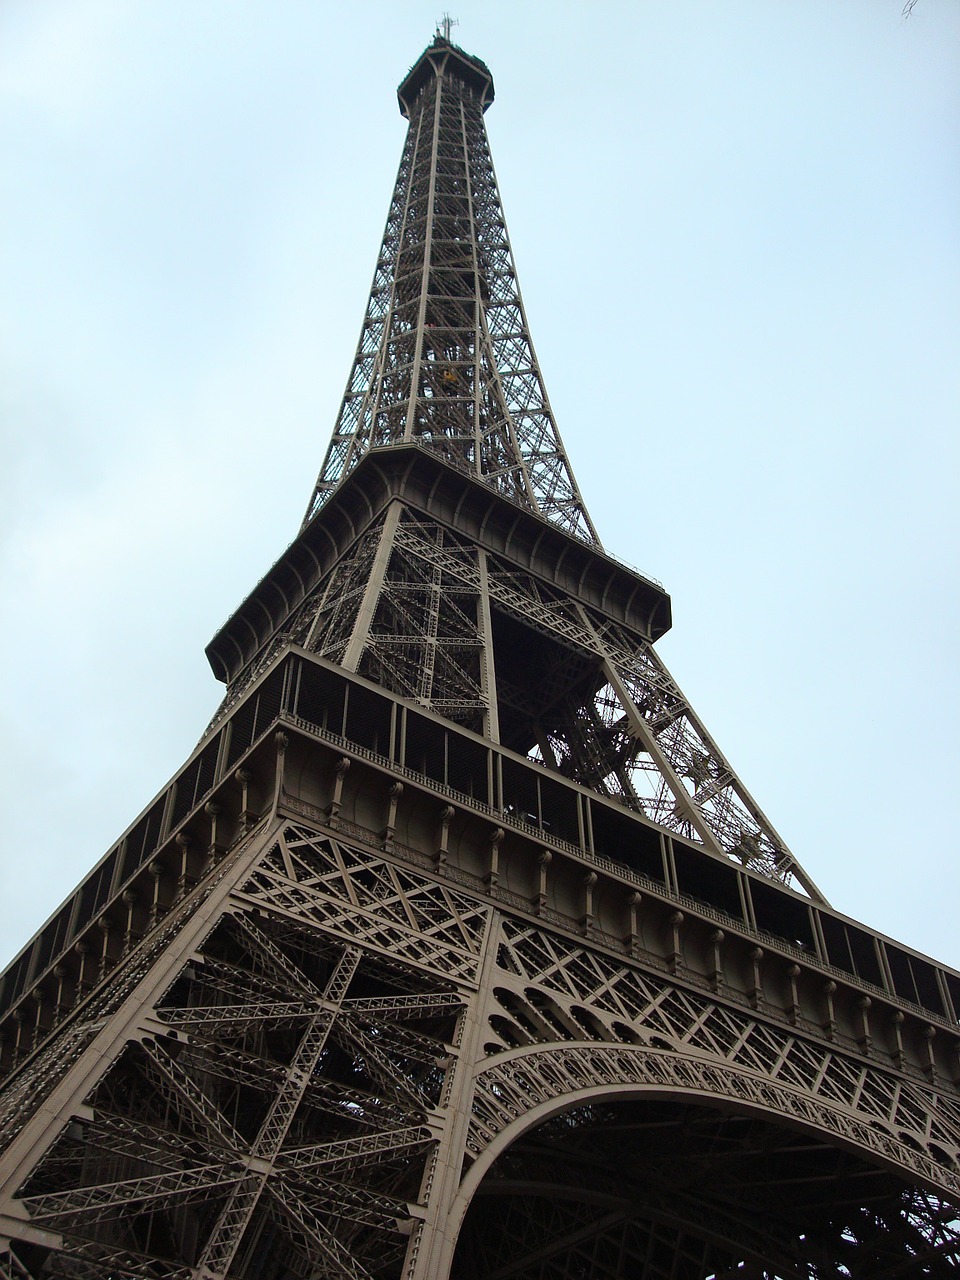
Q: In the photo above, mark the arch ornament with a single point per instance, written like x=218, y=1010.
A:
x=571, y=1021
x=525, y=1086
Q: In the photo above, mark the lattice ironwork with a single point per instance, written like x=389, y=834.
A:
x=595, y=702
x=294, y=1085
x=284, y=1090
x=366, y=995
x=570, y=993
x=664, y=1189
x=445, y=357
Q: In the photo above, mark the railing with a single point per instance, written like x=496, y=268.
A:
x=618, y=869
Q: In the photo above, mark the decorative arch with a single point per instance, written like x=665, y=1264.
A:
x=564, y=1076
x=523, y=1088
x=526, y=1088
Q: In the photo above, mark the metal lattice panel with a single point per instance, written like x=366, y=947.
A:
x=626, y=1006
x=595, y=702
x=274, y=1092
x=303, y=1051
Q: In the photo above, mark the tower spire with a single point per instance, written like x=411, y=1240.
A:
x=445, y=360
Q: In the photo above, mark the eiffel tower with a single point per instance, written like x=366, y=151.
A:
x=457, y=948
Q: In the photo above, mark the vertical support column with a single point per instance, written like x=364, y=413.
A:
x=82, y=950
x=864, y=1039
x=130, y=938
x=104, y=925
x=443, y=838
x=281, y=741
x=371, y=592
x=59, y=1005
x=17, y=1018
x=544, y=859
x=37, y=998
x=395, y=791
x=793, y=1008
x=412, y=403
x=430, y=1252
x=930, y=1066
x=830, y=1022
x=185, y=882
x=587, y=919
x=632, y=939
x=339, y=773
x=899, y=1057
x=491, y=879
x=247, y=817
x=717, y=938
x=214, y=848
x=156, y=870
x=488, y=670
x=675, y=955
x=468, y=187
x=428, y=652
x=755, y=994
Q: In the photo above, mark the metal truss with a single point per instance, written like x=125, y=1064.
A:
x=333, y=1054
x=600, y=706
x=445, y=357
x=344, y=1017
x=445, y=362
x=570, y=992
x=277, y=1108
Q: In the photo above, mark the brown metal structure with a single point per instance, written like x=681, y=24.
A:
x=457, y=948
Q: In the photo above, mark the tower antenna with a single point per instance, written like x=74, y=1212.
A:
x=445, y=26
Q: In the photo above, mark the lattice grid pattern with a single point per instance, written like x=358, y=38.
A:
x=445, y=357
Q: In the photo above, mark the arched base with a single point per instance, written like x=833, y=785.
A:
x=663, y=1188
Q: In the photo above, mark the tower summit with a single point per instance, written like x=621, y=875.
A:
x=457, y=947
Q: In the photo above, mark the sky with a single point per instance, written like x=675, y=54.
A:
x=736, y=231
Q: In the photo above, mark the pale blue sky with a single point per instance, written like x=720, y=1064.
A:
x=736, y=230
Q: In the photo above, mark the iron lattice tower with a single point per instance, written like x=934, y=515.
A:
x=457, y=948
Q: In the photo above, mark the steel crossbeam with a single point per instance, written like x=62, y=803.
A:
x=174, y=1084
x=224, y=1240
x=206, y=1017
x=403, y=1040
x=99, y=1259
x=90, y=1203
x=316, y=1236
x=136, y=1139
x=382, y=1069
x=219, y=1057
x=357, y=1204
x=352, y=1153
x=237, y=980
x=264, y=948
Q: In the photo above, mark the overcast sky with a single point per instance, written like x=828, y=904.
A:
x=736, y=230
